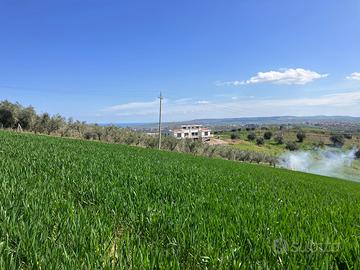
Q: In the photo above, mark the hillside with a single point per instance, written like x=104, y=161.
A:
x=78, y=204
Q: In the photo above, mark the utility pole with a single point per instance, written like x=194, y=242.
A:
x=160, y=98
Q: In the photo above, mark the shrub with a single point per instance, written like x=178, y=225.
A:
x=260, y=141
x=292, y=146
x=251, y=136
x=337, y=140
x=300, y=135
x=268, y=135
x=169, y=143
x=234, y=136
x=90, y=135
x=257, y=157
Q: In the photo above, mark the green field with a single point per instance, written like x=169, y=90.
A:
x=73, y=204
x=314, y=137
x=270, y=148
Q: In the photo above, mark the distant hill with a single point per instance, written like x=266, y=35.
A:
x=253, y=120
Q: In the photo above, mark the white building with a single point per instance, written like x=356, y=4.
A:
x=195, y=132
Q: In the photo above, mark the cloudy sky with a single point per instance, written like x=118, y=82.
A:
x=107, y=61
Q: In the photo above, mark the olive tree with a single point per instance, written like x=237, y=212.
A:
x=268, y=135
x=251, y=136
x=300, y=135
x=337, y=140
x=279, y=138
x=260, y=141
x=292, y=146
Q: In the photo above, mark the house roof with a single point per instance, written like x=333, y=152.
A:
x=187, y=130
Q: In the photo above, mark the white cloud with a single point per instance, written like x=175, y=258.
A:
x=297, y=76
x=354, y=76
x=132, y=106
x=332, y=100
x=203, y=102
x=183, y=100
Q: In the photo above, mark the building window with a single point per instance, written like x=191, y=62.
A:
x=178, y=135
x=186, y=134
x=194, y=133
x=206, y=133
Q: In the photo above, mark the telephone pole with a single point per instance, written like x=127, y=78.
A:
x=160, y=98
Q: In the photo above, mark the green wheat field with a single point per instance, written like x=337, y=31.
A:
x=73, y=204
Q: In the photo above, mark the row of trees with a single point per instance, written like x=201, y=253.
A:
x=268, y=135
x=14, y=115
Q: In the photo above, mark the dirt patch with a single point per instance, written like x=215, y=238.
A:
x=112, y=255
x=214, y=141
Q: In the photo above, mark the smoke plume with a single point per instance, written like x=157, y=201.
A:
x=329, y=162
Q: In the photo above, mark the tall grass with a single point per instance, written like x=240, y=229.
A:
x=68, y=204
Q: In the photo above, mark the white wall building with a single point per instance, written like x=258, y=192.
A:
x=192, y=132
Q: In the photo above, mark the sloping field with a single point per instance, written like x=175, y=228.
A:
x=71, y=204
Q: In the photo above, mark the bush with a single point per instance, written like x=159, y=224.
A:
x=357, y=154
x=292, y=146
x=90, y=135
x=260, y=141
x=279, y=138
x=251, y=136
x=234, y=136
x=300, y=135
x=169, y=143
x=268, y=135
x=337, y=140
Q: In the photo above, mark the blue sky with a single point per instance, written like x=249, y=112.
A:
x=107, y=61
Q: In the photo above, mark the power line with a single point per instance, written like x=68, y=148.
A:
x=160, y=99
